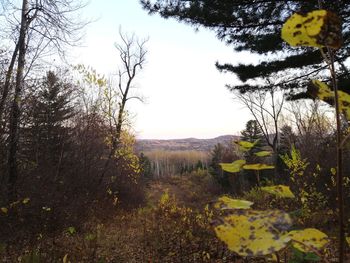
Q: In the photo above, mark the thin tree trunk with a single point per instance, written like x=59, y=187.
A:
x=116, y=139
x=15, y=108
x=340, y=180
x=8, y=81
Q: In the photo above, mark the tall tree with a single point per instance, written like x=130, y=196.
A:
x=255, y=26
x=43, y=24
x=46, y=132
x=15, y=108
x=132, y=54
x=48, y=26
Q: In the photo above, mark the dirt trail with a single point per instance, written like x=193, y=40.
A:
x=187, y=191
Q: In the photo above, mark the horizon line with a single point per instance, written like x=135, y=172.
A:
x=186, y=138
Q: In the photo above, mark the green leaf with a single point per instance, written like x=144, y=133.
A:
x=71, y=230
x=2, y=248
x=319, y=28
x=297, y=255
x=308, y=239
x=254, y=233
x=33, y=257
x=263, y=153
x=279, y=190
x=312, y=257
x=258, y=166
x=90, y=237
x=4, y=210
x=101, y=260
x=225, y=202
x=234, y=167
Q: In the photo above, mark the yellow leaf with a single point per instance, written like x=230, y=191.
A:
x=245, y=145
x=65, y=258
x=333, y=171
x=4, y=210
x=258, y=166
x=234, y=167
x=279, y=190
x=254, y=233
x=318, y=28
x=348, y=240
x=323, y=92
x=13, y=204
x=272, y=258
x=26, y=200
x=263, y=153
x=308, y=239
x=225, y=202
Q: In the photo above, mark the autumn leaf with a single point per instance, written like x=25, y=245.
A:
x=226, y=202
x=254, y=233
x=65, y=259
x=323, y=92
x=245, y=145
x=258, y=166
x=348, y=240
x=279, y=190
x=263, y=153
x=26, y=200
x=308, y=239
x=233, y=167
x=319, y=28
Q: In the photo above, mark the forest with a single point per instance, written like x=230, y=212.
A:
x=77, y=185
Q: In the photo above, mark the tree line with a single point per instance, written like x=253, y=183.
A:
x=65, y=140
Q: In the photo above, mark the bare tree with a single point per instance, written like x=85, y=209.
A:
x=48, y=26
x=311, y=119
x=266, y=107
x=132, y=55
x=43, y=24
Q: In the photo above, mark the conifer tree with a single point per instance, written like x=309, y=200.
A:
x=287, y=139
x=253, y=133
x=255, y=26
x=47, y=133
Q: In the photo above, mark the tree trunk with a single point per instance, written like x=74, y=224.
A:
x=115, y=140
x=15, y=108
x=8, y=81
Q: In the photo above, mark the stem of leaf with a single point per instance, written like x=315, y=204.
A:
x=340, y=191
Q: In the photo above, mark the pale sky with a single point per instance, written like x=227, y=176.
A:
x=185, y=94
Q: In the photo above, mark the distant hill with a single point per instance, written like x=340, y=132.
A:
x=188, y=144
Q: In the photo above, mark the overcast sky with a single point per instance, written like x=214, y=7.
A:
x=185, y=94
